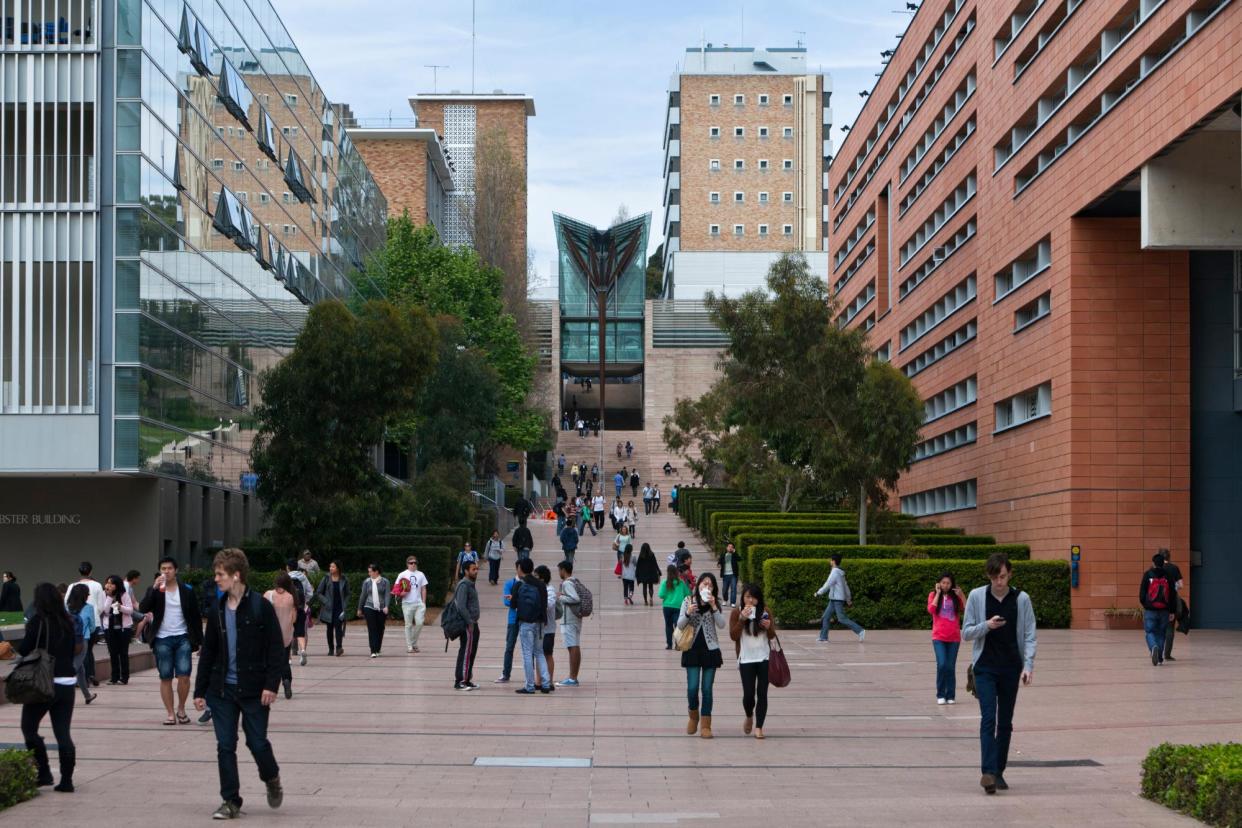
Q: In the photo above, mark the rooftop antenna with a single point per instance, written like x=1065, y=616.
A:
x=742, y=34
x=472, y=38
x=801, y=37
x=435, y=68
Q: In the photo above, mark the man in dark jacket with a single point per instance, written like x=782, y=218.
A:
x=176, y=633
x=523, y=541
x=239, y=671
x=466, y=597
x=522, y=510
x=1158, y=594
x=1175, y=578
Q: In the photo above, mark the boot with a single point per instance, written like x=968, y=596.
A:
x=706, y=730
x=747, y=725
x=45, y=769
x=693, y=724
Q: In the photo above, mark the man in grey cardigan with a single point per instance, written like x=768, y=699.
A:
x=466, y=597
x=1001, y=623
x=839, y=598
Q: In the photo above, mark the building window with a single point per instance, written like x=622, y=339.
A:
x=739, y=99
x=264, y=198
x=763, y=100
x=287, y=198
x=739, y=132
x=786, y=229
x=787, y=100
x=958, y=437
x=242, y=197
x=289, y=132
x=739, y=197
x=882, y=354
x=713, y=132
x=288, y=229
x=220, y=131
x=953, y=301
x=739, y=229
x=1025, y=268
x=714, y=198
x=949, y=498
x=1032, y=311
x=267, y=99
x=763, y=132
x=713, y=164
x=713, y=229
x=1025, y=407
x=763, y=163
x=713, y=100
x=292, y=100
x=763, y=198
x=763, y=230
x=217, y=163
x=238, y=166
x=787, y=197
x=787, y=132
x=739, y=164
x=787, y=164
x=951, y=399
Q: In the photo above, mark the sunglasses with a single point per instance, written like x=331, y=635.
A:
x=411, y=563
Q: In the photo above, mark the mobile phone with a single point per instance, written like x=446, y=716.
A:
x=765, y=615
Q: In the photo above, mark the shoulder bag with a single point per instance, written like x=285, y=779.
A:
x=31, y=681
x=778, y=665
x=683, y=640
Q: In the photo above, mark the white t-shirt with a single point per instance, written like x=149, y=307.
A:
x=96, y=596
x=174, y=618
x=598, y=504
x=417, y=581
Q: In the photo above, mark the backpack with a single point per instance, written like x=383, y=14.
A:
x=586, y=601
x=1158, y=592
x=532, y=605
x=452, y=622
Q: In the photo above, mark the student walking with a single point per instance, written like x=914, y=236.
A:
x=728, y=575
x=87, y=620
x=751, y=628
x=839, y=597
x=598, y=507
x=629, y=574
x=411, y=587
x=524, y=541
x=303, y=591
x=494, y=551
x=238, y=673
x=466, y=556
x=1178, y=606
x=618, y=514
x=283, y=598
x=176, y=633
x=631, y=519
x=622, y=541
x=647, y=571
x=570, y=600
x=569, y=542
x=466, y=597
x=333, y=595
x=511, y=630
x=618, y=479
x=51, y=627
x=529, y=597
x=1001, y=623
x=95, y=598
x=117, y=615
x=634, y=480
x=373, y=604
x=946, y=604
x=672, y=499
x=701, y=610
x=648, y=498
x=673, y=592
x=549, y=623
x=655, y=498
x=1158, y=595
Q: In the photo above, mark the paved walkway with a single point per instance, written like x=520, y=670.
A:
x=857, y=739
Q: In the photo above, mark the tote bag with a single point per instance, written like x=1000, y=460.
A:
x=31, y=681
x=778, y=666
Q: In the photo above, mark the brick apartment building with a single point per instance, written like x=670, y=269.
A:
x=1037, y=216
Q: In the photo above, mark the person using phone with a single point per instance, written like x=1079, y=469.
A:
x=701, y=610
x=945, y=604
x=1001, y=623
x=751, y=628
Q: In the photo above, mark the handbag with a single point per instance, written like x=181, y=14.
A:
x=617, y=571
x=684, y=639
x=970, y=680
x=778, y=666
x=31, y=681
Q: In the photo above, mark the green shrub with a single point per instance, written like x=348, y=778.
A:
x=391, y=559
x=18, y=775
x=718, y=521
x=801, y=537
x=1204, y=781
x=696, y=505
x=893, y=594
x=753, y=565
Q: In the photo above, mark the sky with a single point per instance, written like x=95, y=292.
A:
x=599, y=73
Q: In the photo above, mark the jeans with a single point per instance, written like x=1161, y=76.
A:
x=627, y=588
x=523, y=552
x=493, y=570
x=375, y=627
x=946, y=668
x=670, y=621
x=531, y=634
x=647, y=505
x=1155, y=624
x=1168, y=639
x=226, y=707
x=118, y=651
x=560, y=524
x=755, y=690
x=696, y=678
x=79, y=665
x=172, y=656
x=617, y=486
x=836, y=608
x=61, y=711
x=511, y=637
x=413, y=615
x=466, y=651
x=88, y=658
x=997, y=689
x=336, y=634
x=728, y=588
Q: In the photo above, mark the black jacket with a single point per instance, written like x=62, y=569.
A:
x=260, y=649
x=153, y=602
x=10, y=597
x=1147, y=576
x=522, y=538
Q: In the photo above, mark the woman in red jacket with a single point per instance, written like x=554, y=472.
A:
x=945, y=604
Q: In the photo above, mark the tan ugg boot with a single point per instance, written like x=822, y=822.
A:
x=706, y=730
x=746, y=725
x=693, y=724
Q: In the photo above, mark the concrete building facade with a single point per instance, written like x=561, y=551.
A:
x=1037, y=217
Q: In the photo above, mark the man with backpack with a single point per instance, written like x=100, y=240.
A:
x=529, y=600
x=511, y=632
x=303, y=591
x=466, y=608
x=1180, y=612
x=576, y=603
x=569, y=541
x=1158, y=595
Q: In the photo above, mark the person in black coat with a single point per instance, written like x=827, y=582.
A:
x=10, y=594
x=239, y=678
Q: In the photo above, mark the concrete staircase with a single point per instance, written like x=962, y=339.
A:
x=648, y=457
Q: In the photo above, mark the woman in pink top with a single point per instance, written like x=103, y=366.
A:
x=284, y=599
x=116, y=617
x=945, y=603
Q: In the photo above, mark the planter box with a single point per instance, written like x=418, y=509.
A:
x=1123, y=622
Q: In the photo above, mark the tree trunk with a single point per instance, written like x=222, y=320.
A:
x=862, y=514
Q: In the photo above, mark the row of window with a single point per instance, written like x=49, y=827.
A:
x=954, y=202
x=950, y=498
x=740, y=132
x=739, y=197
x=713, y=164
x=740, y=229
x=264, y=198
x=739, y=99
x=1024, y=407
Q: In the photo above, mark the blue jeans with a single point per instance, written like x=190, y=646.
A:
x=697, y=677
x=560, y=524
x=226, y=707
x=172, y=656
x=998, y=693
x=946, y=668
x=531, y=635
x=836, y=608
x=1155, y=623
x=728, y=588
x=511, y=637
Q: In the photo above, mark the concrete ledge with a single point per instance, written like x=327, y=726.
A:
x=140, y=658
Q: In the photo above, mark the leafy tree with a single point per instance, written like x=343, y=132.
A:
x=695, y=429
x=457, y=408
x=440, y=495
x=326, y=406
x=811, y=389
x=655, y=273
x=756, y=470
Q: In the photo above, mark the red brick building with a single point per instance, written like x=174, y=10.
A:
x=1036, y=215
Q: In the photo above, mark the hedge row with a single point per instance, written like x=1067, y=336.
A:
x=893, y=594
x=797, y=537
x=752, y=565
x=697, y=510
x=1204, y=781
x=17, y=777
x=718, y=521
x=391, y=559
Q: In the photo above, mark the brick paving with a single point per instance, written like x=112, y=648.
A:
x=856, y=738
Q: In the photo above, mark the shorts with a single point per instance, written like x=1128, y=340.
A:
x=571, y=633
x=549, y=643
x=299, y=624
x=172, y=656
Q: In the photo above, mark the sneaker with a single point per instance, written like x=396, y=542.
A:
x=275, y=793
x=227, y=810
x=470, y=685
x=548, y=689
x=204, y=719
x=1168, y=658
x=302, y=659
x=501, y=680
x=457, y=685
x=1155, y=656
x=1001, y=784
x=821, y=641
x=988, y=781
x=862, y=636
x=950, y=701
x=409, y=649
x=374, y=655
x=567, y=683
x=940, y=701
x=523, y=691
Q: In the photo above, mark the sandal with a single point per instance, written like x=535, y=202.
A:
x=183, y=718
x=171, y=721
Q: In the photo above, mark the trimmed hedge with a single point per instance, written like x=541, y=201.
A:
x=18, y=776
x=1204, y=781
x=893, y=594
x=696, y=510
x=798, y=537
x=752, y=566
x=718, y=521
x=848, y=546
